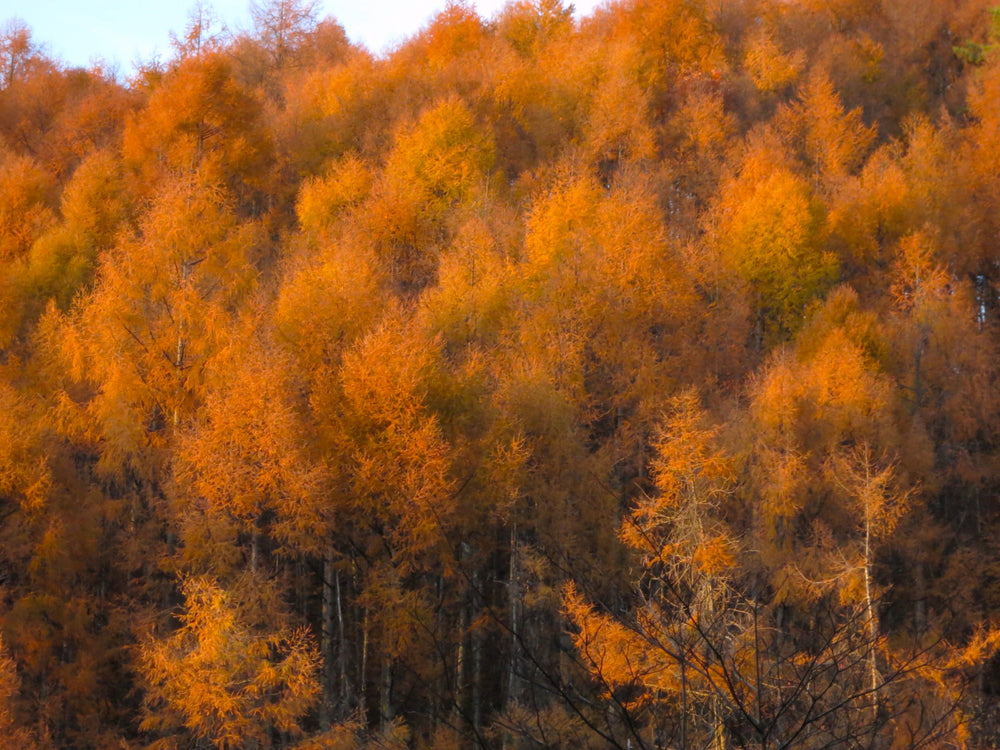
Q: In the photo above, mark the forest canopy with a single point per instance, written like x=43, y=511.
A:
x=623, y=381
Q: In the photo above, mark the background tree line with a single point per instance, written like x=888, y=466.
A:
x=628, y=381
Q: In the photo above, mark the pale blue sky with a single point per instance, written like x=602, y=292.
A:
x=78, y=32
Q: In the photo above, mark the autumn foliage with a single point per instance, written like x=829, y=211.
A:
x=627, y=380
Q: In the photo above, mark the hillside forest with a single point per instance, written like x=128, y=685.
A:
x=627, y=381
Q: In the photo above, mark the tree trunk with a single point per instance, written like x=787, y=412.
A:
x=326, y=643
x=459, y=684
x=345, y=685
x=477, y=666
x=871, y=621
x=254, y=550
x=514, y=597
x=363, y=670
x=385, y=707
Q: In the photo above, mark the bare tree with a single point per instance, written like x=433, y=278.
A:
x=282, y=26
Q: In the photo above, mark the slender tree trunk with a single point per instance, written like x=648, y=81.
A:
x=477, y=665
x=446, y=691
x=514, y=597
x=918, y=387
x=684, y=703
x=460, y=685
x=254, y=550
x=758, y=681
x=870, y=619
x=345, y=685
x=363, y=671
x=511, y=682
x=326, y=643
x=920, y=601
x=385, y=707
x=718, y=728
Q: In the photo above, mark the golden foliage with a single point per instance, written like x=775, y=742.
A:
x=769, y=226
x=13, y=734
x=199, y=118
x=225, y=676
x=676, y=305
x=836, y=393
x=26, y=192
x=400, y=462
x=619, y=656
x=247, y=457
x=771, y=69
x=321, y=200
x=680, y=531
x=836, y=141
x=445, y=155
x=24, y=471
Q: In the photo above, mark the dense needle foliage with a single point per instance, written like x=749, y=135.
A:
x=623, y=381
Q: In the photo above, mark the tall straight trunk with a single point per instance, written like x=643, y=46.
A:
x=445, y=690
x=684, y=703
x=477, y=664
x=511, y=682
x=514, y=597
x=363, y=670
x=870, y=619
x=758, y=683
x=385, y=708
x=326, y=642
x=345, y=685
x=920, y=601
x=459, y=684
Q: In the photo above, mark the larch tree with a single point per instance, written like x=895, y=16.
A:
x=26, y=210
x=9, y=689
x=200, y=120
x=143, y=337
x=244, y=468
x=397, y=470
x=835, y=142
x=26, y=213
x=439, y=161
x=769, y=227
x=878, y=504
x=18, y=52
x=62, y=262
x=201, y=35
x=227, y=674
x=282, y=26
